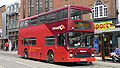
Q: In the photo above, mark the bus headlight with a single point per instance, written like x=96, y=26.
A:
x=71, y=54
x=92, y=54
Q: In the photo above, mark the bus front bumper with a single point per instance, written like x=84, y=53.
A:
x=81, y=59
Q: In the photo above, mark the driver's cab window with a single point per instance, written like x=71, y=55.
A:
x=61, y=39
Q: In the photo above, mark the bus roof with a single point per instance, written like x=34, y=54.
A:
x=67, y=6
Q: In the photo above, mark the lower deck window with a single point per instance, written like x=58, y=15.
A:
x=50, y=40
x=29, y=41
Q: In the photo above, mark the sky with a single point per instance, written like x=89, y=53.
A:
x=7, y=2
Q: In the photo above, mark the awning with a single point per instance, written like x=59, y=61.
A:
x=106, y=30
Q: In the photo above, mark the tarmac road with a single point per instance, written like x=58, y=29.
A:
x=12, y=60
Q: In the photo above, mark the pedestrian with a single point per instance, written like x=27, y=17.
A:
x=6, y=46
x=115, y=55
x=13, y=47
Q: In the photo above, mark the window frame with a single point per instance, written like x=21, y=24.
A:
x=100, y=12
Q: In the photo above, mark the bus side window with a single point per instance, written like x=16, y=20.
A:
x=21, y=25
x=41, y=19
x=32, y=40
x=50, y=40
x=25, y=41
x=26, y=23
x=61, y=39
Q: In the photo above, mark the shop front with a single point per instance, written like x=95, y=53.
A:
x=107, y=37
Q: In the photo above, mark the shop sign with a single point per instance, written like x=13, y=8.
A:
x=103, y=25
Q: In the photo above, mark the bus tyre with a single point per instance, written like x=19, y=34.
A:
x=50, y=57
x=26, y=54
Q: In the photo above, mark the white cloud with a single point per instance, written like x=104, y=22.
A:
x=7, y=2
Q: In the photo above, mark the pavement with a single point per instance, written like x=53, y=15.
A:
x=9, y=52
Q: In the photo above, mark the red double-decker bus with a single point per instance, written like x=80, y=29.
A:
x=60, y=35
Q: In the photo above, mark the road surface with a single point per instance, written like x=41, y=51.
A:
x=12, y=60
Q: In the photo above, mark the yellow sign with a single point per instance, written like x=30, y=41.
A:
x=103, y=25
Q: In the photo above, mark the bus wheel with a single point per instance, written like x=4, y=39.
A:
x=26, y=54
x=50, y=57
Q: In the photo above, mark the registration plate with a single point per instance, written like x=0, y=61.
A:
x=82, y=59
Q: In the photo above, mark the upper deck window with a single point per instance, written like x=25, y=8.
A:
x=21, y=24
x=62, y=14
x=46, y=18
x=41, y=19
x=79, y=14
x=34, y=21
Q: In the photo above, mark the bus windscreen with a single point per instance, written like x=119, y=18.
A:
x=79, y=14
x=80, y=39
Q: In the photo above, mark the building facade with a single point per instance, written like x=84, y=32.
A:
x=2, y=10
x=34, y=7
x=105, y=18
x=4, y=29
x=12, y=18
x=31, y=7
x=118, y=18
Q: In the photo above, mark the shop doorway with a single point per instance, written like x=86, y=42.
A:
x=108, y=44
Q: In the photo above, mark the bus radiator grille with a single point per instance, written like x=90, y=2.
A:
x=81, y=55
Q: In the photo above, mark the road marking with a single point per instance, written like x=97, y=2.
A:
x=26, y=64
x=4, y=58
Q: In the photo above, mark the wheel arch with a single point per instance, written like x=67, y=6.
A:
x=25, y=49
x=50, y=50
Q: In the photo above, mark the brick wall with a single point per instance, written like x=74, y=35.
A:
x=61, y=3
